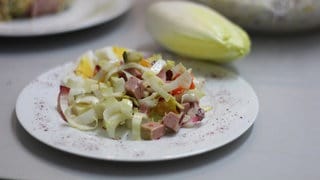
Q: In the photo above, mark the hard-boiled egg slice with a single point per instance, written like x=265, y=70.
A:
x=118, y=51
x=86, y=65
x=111, y=53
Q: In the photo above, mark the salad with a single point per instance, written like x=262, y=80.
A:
x=10, y=9
x=116, y=88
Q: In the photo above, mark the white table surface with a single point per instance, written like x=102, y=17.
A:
x=284, y=143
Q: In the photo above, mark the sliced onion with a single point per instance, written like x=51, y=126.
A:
x=63, y=100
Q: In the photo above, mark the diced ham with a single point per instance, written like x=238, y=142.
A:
x=134, y=87
x=134, y=72
x=40, y=7
x=171, y=121
x=152, y=130
x=162, y=75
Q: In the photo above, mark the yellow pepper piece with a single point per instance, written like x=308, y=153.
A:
x=145, y=63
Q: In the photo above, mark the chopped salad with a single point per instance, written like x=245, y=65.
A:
x=114, y=88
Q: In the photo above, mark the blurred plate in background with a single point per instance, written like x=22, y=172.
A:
x=81, y=14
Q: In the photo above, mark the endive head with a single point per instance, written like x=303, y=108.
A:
x=196, y=31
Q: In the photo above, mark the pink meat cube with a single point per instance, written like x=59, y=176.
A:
x=171, y=121
x=152, y=130
x=134, y=87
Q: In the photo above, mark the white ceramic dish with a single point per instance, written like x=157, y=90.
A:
x=81, y=14
x=235, y=107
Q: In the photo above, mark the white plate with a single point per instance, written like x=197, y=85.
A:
x=235, y=107
x=81, y=14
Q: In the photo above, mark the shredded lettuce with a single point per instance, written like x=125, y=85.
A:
x=170, y=64
x=118, y=84
x=101, y=106
x=134, y=65
x=126, y=107
x=85, y=121
x=154, y=57
x=116, y=114
x=183, y=81
x=136, y=125
x=178, y=69
x=150, y=101
x=78, y=109
x=108, y=65
x=86, y=99
x=80, y=85
x=112, y=122
x=158, y=66
x=156, y=84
